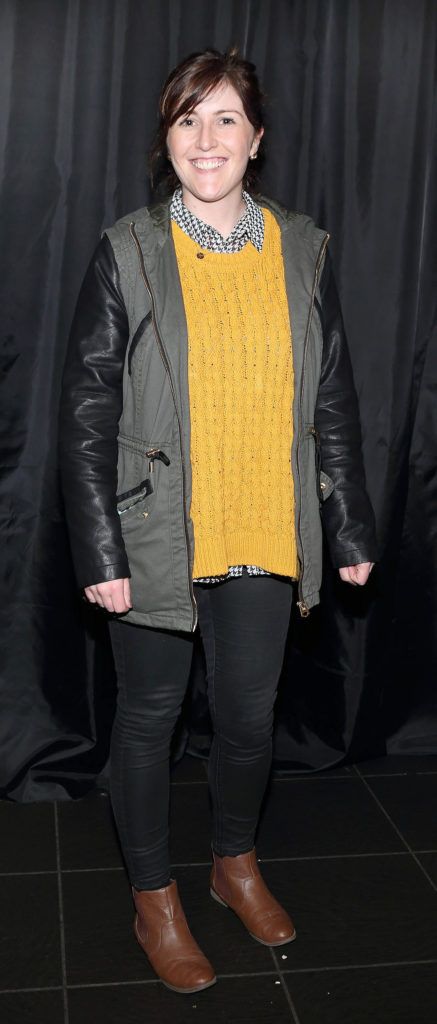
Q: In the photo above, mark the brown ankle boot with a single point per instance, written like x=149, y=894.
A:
x=163, y=933
x=236, y=882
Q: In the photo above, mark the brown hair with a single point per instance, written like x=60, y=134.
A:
x=188, y=84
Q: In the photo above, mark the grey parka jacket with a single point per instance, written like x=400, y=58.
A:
x=125, y=420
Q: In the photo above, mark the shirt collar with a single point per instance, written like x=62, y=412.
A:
x=250, y=227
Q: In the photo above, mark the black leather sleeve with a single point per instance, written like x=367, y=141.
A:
x=91, y=405
x=347, y=514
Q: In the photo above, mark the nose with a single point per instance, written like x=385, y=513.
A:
x=206, y=138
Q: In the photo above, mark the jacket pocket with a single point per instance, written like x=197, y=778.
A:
x=138, y=336
x=137, y=461
x=135, y=498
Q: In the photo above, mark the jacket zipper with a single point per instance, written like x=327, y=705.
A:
x=167, y=367
x=301, y=604
x=318, y=455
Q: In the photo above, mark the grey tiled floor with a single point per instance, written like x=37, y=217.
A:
x=351, y=853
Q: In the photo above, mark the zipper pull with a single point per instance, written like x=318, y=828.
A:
x=156, y=453
x=303, y=608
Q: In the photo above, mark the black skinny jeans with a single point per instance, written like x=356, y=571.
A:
x=243, y=624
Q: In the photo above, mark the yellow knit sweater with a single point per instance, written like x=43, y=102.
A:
x=240, y=376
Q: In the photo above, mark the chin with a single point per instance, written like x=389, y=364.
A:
x=211, y=197
x=208, y=197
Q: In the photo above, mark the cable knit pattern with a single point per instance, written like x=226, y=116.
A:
x=241, y=392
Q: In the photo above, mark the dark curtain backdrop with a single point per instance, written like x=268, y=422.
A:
x=351, y=124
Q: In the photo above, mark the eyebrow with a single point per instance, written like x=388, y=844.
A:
x=228, y=112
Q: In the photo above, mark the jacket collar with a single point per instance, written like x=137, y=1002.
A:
x=153, y=224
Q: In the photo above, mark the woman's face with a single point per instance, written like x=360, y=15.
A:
x=210, y=148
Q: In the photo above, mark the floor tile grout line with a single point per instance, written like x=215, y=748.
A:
x=285, y=988
x=61, y=917
x=82, y=871
x=40, y=988
x=358, y=967
x=206, y=863
x=314, y=776
x=156, y=981
x=334, y=856
x=420, y=852
x=133, y=981
x=266, y=860
x=399, y=833
x=12, y=874
x=392, y=775
x=223, y=975
x=353, y=771
x=309, y=777
x=173, y=782
x=191, y=782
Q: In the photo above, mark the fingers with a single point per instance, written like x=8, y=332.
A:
x=357, y=575
x=126, y=593
x=345, y=575
x=361, y=573
x=112, y=596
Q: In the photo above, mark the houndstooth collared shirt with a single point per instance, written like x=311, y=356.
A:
x=250, y=228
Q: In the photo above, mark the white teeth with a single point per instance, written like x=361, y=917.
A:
x=206, y=165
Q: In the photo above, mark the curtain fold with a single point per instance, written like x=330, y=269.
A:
x=350, y=140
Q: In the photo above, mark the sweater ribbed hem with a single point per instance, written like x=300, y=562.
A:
x=275, y=553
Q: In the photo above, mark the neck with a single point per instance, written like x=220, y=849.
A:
x=222, y=214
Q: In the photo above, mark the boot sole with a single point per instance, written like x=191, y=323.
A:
x=188, y=991
x=174, y=988
x=282, y=942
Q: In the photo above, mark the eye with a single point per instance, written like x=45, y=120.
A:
x=188, y=121
x=227, y=120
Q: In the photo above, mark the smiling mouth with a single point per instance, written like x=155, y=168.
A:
x=209, y=165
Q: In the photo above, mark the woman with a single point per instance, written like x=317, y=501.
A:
x=208, y=362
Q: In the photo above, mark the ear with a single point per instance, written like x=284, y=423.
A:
x=254, y=147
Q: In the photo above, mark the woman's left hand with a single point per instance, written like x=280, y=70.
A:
x=357, y=574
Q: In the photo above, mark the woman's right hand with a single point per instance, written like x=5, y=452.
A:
x=114, y=595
